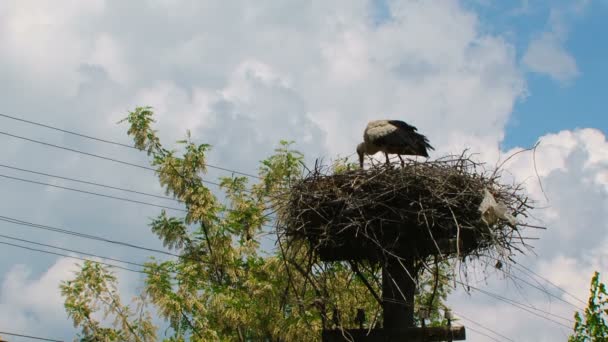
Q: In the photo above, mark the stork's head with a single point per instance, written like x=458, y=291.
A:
x=361, y=148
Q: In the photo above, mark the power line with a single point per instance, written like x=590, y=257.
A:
x=24, y=223
x=90, y=183
x=524, y=269
x=543, y=290
x=483, y=334
x=92, y=155
x=29, y=336
x=71, y=250
x=68, y=132
x=512, y=302
x=109, y=196
x=71, y=256
x=82, y=235
x=93, y=193
x=550, y=282
x=78, y=151
x=106, y=196
x=114, y=143
x=484, y=327
x=522, y=306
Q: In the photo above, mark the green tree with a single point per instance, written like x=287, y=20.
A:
x=224, y=286
x=594, y=327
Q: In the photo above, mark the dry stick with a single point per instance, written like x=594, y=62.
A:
x=498, y=167
x=375, y=321
x=289, y=277
x=306, y=276
x=408, y=273
x=309, y=266
x=429, y=229
x=355, y=268
x=430, y=305
x=457, y=232
x=461, y=168
x=185, y=317
x=536, y=171
x=121, y=314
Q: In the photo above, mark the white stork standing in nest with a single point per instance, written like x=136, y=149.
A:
x=392, y=136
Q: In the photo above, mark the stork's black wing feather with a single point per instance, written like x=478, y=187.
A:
x=405, y=142
x=426, y=143
x=402, y=125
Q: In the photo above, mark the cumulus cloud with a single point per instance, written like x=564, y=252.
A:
x=568, y=165
x=32, y=304
x=547, y=54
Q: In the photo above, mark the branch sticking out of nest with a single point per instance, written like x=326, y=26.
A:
x=450, y=206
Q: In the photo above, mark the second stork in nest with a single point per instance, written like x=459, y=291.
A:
x=392, y=136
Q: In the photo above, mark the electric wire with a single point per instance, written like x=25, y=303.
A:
x=71, y=250
x=89, y=183
x=483, y=326
x=543, y=290
x=114, y=142
x=550, y=282
x=511, y=302
x=114, y=197
x=215, y=167
x=401, y=302
x=483, y=334
x=522, y=306
x=29, y=336
x=24, y=223
x=93, y=193
x=83, y=235
x=71, y=257
x=539, y=287
x=92, y=155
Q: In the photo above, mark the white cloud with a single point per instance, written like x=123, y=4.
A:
x=572, y=247
x=107, y=54
x=32, y=304
x=547, y=54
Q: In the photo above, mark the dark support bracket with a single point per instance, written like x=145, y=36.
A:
x=398, y=288
x=400, y=335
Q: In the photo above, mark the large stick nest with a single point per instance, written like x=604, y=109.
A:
x=421, y=209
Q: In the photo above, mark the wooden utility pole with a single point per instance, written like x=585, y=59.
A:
x=398, y=290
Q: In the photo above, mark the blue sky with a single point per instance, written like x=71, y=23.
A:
x=550, y=106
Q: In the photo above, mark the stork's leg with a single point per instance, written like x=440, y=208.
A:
x=387, y=160
x=402, y=162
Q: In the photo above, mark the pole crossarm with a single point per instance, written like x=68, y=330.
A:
x=412, y=334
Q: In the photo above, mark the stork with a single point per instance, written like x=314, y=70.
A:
x=392, y=136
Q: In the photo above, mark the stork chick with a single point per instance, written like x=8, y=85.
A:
x=392, y=136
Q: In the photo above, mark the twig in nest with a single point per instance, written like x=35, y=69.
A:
x=385, y=212
x=355, y=268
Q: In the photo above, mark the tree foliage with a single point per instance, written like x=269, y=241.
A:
x=592, y=325
x=225, y=286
